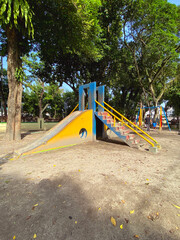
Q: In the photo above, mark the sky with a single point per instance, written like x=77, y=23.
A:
x=177, y=2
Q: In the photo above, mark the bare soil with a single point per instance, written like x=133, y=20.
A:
x=72, y=193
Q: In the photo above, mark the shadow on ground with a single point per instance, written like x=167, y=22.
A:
x=60, y=209
x=23, y=135
x=5, y=159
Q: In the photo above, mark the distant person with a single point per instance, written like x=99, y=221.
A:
x=147, y=122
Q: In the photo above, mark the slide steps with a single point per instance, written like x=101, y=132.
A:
x=120, y=130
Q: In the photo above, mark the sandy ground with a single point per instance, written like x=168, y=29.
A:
x=72, y=193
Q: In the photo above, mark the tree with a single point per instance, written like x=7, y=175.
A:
x=72, y=33
x=60, y=27
x=16, y=21
x=54, y=98
x=149, y=33
x=172, y=93
x=126, y=91
x=33, y=79
x=70, y=101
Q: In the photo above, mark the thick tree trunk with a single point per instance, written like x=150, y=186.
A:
x=13, y=130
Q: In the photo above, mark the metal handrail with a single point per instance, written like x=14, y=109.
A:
x=131, y=123
x=74, y=108
x=125, y=124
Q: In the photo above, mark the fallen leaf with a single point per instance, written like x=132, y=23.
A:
x=150, y=217
x=121, y=226
x=131, y=212
x=126, y=220
x=178, y=215
x=147, y=179
x=14, y=237
x=99, y=209
x=123, y=201
x=29, y=179
x=113, y=221
x=176, y=206
x=59, y=185
x=136, y=236
x=146, y=183
x=79, y=170
x=177, y=228
x=54, y=165
x=35, y=236
x=36, y=205
x=75, y=222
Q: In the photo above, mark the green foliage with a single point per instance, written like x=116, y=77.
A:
x=70, y=101
x=131, y=46
x=19, y=74
x=54, y=97
x=16, y=13
x=172, y=93
x=67, y=27
x=60, y=103
x=150, y=35
x=173, y=98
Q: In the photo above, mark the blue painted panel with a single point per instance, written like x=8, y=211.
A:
x=91, y=101
x=166, y=118
x=92, y=104
x=150, y=107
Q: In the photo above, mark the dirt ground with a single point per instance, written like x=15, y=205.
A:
x=72, y=193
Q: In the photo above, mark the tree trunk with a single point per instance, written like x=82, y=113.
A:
x=155, y=111
x=40, y=101
x=40, y=108
x=54, y=113
x=13, y=130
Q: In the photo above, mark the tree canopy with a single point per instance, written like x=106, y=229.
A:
x=131, y=46
x=150, y=34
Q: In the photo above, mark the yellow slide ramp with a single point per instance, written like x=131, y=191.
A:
x=74, y=129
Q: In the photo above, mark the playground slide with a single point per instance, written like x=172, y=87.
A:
x=75, y=128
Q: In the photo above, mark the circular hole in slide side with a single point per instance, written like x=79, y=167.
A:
x=83, y=133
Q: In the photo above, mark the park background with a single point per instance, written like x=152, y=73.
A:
x=106, y=55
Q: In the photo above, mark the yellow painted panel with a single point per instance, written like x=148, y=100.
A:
x=72, y=129
x=70, y=133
